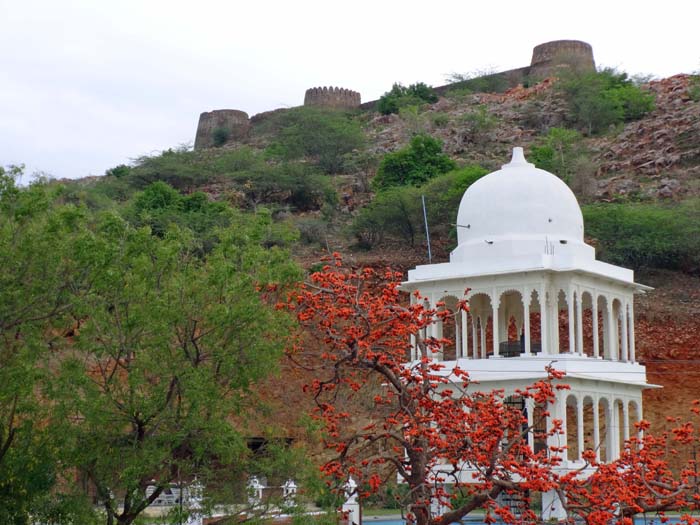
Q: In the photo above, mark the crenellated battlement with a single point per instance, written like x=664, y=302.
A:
x=332, y=97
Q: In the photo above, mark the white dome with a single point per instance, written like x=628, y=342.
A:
x=519, y=200
x=518, y=209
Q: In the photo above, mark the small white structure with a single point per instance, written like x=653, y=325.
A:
x=289, y=492
x=193, y=500
x=538, y=290
x=255, y=491
x=351, y=507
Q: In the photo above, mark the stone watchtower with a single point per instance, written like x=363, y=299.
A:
x=537, y=295
x=220, y=126
x=332, y=97
x=573, y=54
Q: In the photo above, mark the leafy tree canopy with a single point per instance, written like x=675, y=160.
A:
x=413, y=165
x=401, y=96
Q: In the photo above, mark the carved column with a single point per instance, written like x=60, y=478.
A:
x=579, y=323
x=594, y=313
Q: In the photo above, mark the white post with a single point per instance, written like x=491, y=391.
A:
x=351, y=507
x=475, y=345
x=579, y=424
x=624, y=351
x=612, y=333
x=626, y=420
x=526, y=322
x=496, y=321
x=465, y=334
x=579, y=323
x=482, y=333
x=596, y=428
x=594, y=310
x=544, y=340
x=572, y=321
x=554, y=329
x=633, y=356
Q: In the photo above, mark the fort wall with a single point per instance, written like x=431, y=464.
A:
x=547, y=58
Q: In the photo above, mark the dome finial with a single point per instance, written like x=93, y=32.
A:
x=518, y=160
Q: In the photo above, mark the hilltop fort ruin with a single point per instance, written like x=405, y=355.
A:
x=219, y=126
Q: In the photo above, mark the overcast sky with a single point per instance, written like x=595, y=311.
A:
x=87, y=85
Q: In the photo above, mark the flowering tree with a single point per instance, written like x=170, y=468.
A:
x=653, y=474
x=417, y=421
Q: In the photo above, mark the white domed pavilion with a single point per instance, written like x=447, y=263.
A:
x=537, y=296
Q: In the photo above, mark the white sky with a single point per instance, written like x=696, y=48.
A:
x=87, y=85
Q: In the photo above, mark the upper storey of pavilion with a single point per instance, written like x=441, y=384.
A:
x=519, y=219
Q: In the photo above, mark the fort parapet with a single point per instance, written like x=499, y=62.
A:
x=230, y=123
x=332, y=97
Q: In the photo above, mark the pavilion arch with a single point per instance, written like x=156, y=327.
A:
x=510, y=312
x=449, y=327
x=618, y=351
x=563, y=328
x=480, y=311
x=573, y=430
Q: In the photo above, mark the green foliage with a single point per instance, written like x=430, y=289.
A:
x=398, y=213
x=160, y=206
x=647, y=235
x=297, y=185
x=168, y=344
x=598, y=100
x=480, y=81
x=694, y=87
x=123, y=355
x=557, y=151
x=479, y=123
x=220, y=136
x=413, y=165
x=325, y=135
x=394, y=211
x=401, y=96
x=181, y=169
x=440, y=120
x=38, y=279
x=118, y=171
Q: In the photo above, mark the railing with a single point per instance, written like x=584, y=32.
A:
x=517, y=348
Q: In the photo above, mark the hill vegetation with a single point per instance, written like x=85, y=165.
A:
x=168, y=256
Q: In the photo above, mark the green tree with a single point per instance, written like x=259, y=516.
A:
x=401, y=96
x=398, y=211
x=557, y=152
x=38, y=285
x=326, y=135
x=413, y=165
x=292, y=184
x=168, y=345
x=647, y=235
x=598, y=100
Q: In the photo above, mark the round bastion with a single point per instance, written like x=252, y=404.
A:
x=219, y=126
x=332, y=97
x=549, y=56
